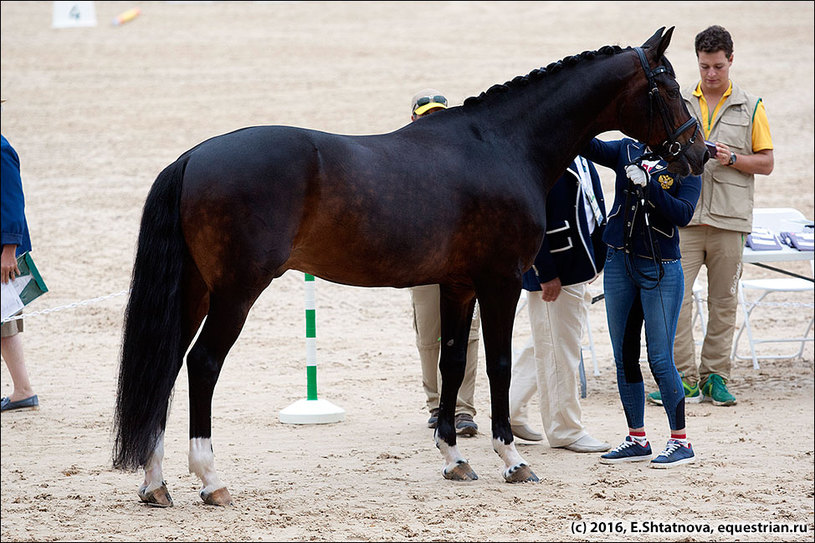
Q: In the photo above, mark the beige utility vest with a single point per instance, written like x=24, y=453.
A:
x=726, y=200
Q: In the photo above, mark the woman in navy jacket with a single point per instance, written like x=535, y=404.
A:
x=643, y=281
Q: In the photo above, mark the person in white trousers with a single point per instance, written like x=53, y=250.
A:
x=572, y=255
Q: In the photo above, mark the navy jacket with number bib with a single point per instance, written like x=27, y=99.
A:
x=568, y=251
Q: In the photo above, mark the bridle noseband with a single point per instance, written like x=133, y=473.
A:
x=671, y=148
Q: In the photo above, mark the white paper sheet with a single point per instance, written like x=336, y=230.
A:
x=11, y=302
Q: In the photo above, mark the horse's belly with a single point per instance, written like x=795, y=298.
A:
x=367, y=262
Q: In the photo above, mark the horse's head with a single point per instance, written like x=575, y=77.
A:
x=655, y=113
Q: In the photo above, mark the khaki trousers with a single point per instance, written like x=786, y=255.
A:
x=427, y=324
x=721, y=252
x=550, y=364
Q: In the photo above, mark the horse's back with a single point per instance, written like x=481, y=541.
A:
x=381, y=210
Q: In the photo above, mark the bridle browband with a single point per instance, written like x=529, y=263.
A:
x=671, y=148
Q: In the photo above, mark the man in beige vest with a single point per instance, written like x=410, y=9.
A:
x=427, y=320
x=736, y=122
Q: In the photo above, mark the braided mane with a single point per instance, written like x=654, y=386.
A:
x=540, y=73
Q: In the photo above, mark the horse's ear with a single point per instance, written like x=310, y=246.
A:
x=658, y=42
x=663, y=44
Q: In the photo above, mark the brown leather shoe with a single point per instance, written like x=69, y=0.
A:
x=434, y=418
x=465, y=425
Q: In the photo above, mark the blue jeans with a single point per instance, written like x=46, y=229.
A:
x=633, y=295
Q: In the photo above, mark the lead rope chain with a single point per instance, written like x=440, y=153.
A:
x=64, y=307
x=123, y=292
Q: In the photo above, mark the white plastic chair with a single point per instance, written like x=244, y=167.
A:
x=699, y=310
x=777, y=220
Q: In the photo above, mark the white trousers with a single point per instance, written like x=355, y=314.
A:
x=427, y=324
x=550, y=365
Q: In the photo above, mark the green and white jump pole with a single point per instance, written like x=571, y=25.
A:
x=311, y=410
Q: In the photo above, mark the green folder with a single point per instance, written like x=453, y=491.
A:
x=36, y=287
x=24, y=288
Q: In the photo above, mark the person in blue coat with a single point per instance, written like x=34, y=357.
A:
x=644, y=283
x=16, y=241
x=572, y=255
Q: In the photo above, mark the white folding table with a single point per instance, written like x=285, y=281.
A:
x=777, y=220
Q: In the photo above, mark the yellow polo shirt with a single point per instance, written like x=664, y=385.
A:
x=761, y=126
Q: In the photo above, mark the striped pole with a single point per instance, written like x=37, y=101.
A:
x=311, y=339
x=311, y=410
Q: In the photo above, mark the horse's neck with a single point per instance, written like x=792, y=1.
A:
x=566, y=109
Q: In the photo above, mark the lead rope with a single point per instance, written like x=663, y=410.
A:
x=641, y=203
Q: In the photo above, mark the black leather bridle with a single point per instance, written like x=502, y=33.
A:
x=670, y=149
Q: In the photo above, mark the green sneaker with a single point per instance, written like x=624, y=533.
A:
x=714, y=389
x=692, y=394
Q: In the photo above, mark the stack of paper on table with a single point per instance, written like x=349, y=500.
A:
x=763, y=239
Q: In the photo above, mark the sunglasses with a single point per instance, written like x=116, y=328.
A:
x=424, y=100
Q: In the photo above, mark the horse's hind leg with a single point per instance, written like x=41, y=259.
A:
x=227, y=314
x=456, y=306
x=153, y=490
x=497, y=315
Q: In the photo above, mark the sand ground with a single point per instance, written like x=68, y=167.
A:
x=96, y=113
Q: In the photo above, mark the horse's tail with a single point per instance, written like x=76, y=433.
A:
x=152, y=350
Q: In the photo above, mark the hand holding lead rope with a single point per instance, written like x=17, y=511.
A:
x=637, y=174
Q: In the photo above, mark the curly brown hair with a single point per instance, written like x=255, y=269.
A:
x=714, y=38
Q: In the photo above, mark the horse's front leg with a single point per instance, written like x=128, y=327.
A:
x=497, y=317
x=456, y=308
x=153, y=490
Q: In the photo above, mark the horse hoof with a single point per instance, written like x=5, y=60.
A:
x=521, y=473
x=218, y=497
x=159, y=497
x=460, y=472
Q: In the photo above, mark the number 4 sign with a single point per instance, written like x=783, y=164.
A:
x=73, y=14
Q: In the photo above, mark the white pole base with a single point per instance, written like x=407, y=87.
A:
x=312, y=412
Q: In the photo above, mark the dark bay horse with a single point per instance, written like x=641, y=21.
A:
x=456, y=198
